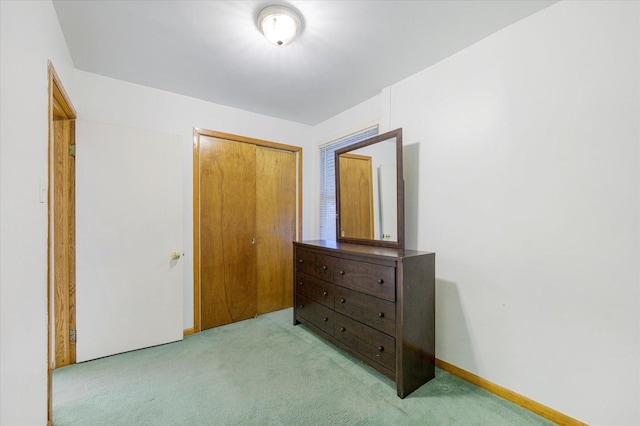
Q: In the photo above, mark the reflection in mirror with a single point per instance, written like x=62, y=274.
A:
x=369, y=190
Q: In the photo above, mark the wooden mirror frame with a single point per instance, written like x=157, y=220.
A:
x=397, y=134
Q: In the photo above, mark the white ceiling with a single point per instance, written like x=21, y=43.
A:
x=347, y=52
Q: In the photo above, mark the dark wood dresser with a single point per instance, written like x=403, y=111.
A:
x=378, y=304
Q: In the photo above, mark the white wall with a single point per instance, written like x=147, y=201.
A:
x=112, y=101
x=29, y=36
x=522, y=173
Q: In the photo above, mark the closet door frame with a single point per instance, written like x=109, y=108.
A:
x=197, y=133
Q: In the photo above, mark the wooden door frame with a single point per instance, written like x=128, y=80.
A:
x=59, y=107
x=197, y=133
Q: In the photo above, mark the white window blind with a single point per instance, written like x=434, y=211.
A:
x=328, y=180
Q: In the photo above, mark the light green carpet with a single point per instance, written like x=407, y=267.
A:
x=262, y=371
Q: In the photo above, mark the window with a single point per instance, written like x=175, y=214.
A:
x=328, y=180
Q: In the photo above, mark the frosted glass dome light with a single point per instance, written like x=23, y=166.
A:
x=279, y=24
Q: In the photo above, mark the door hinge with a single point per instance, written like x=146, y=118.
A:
x=72, y=335
x=72, y=150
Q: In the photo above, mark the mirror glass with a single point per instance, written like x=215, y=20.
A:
x=369, y=190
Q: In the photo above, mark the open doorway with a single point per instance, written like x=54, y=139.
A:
x=61, y=232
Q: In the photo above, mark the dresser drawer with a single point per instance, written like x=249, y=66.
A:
x=377, y=313
x=317, y=314
x=376, y=280
x=371, y=343
x=315, y=264
x=315, y=289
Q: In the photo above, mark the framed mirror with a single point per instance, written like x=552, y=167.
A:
x=370, y=192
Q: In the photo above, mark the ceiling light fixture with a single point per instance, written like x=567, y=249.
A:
x=279, y=24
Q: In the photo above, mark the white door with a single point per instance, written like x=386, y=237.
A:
x=128, y=223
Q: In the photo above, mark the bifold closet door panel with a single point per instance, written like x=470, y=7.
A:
x=276, y=183
x=227, y=228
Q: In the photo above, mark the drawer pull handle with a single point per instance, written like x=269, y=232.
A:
x=341, y=272
x=300, y=306
x=342, y=300
x=380, y=281
x=301, y=283
x=380, y=348
x=381, y=315
x=324, y=293
x=325, y=319
x=342, y=329
x=324, y=267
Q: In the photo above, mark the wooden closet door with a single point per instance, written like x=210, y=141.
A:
x=227, y=227
x=276, y=222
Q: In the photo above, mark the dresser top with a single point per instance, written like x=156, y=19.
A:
x=362, y=249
